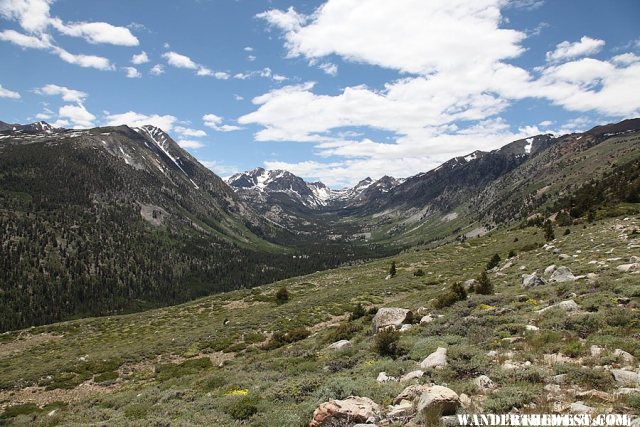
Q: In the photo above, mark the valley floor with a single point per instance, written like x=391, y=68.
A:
x=241, y=358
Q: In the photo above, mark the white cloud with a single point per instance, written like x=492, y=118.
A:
x=77, y=116
x=132, y=72
x=135, y=119
x=329, y=68
x=97, y=32
x=248, y=49
x=140, y=58
x=23, y=40
x=445, y=81
x=33, y=15
x=238, y=97
x=251, y=58
x=215, y=122
x=69, y=95
x=157, y=69
x=6, y=93
x=568, y=50
x=189, y=143
x=85, y=61
x=190, y=132
x=179, y=61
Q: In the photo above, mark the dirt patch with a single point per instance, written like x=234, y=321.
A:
x=25, y=342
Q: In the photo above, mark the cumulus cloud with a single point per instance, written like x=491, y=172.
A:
x=215, y=122
x=451, y=91
x=134, y=119
x=184, y=131
x=329, y=68
x=68, y=95
x=25, y=41
x=568, y=50
x=140, y=58
x=85, y=61
x=189, y=143
x=132, y=72
x=6, y=93
x=178, y=60
x=97, y=32
x=157, y=69
x=77, y=116
x=32, y=15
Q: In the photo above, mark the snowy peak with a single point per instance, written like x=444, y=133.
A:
x=30, y=128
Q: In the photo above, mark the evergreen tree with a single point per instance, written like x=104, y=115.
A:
x=548, y=231
x=282, y=296
x=493, y=262
x=392, y=270
x=484, y=285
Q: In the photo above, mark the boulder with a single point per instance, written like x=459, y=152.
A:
x=484, y=383
x=403, y=409
x=628, y=267
x=346, y=412
x=412, y=375
x=580, y=408
x=531, y=281
x=470, y=284
x=439, y=399
x=596, y=351
x=626, y=378
x=340, y=345
x=426, y=320
x=437, y=359
x=405, y=328
x=410, y=393
x=391, y=317
x=568, y=305
x=624, y=356
x=531, y=328
x=634, y=259
x=562, y=274
x=465, y=401
x=383, y=378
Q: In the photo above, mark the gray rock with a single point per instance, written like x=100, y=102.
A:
x=352, y=410
x=596, y=351
x=626, y=378
x=441, y=399
x=634, y=259
x=580, y=408
x=626, y=357
x=437, y=359
x=549, y=270
x=405, y=328
x=412, y=375
x=469, y=284
x=568, y=305
x=628, y=267
x=531, y=281
x=484, y=383
x=403, y=409
x=562, y=274
x=410, y=393
x=391, y=317
x=383, y=378
x=426, y=320
x=340, y=345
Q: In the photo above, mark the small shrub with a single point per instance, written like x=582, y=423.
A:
x=279, y=338
x=484, y=285
x=493, y=262
x=137, y=411
x=392, y=269
x=344, y=331
x=548, y=231
x=282, y=296
x=106, y=377
x=586, y=377
x=512, y=253
x=419, y=272
x=510, y=397
x=456, y=293
x=566, y=232
x=167, y=371
x=386, y=343
x=213, y=382
x=358, y=312
x=243, y=408
x=467, y=362
x=15, y=410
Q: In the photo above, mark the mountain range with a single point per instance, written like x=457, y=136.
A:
x=115, y=219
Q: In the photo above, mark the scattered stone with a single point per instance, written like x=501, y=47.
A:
x=440, y=399
x=353, y=409
x=559, y=379
x=556, y=358
x=568, y=305
x=552, y=388
x=623, y=300
x=592, y=276
x=628, y=267
x=634, y=259
x=465, y=401
x=484, y=383
x=564, y=256
x=562, y=274
x=549, y=270
x=492, y=353
x=532, y=328
x=470, y=284
x=627, y=390
x=391, y=316
x=508, y=264
x=580, y=408
x=596, y=394
x=410, y=393
x=405, y=328
x=340, y=345
x=596, y=351
x=412, y=375
x=531, y=281
x=426, y=320
x=626, y=357
x=383, y=378
x=401, y=410
x=626, y=378
x=436, y=360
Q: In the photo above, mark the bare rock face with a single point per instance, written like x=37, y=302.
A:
x=437, y=359
x=391, y=317
x=438, y=398
x=344, y=413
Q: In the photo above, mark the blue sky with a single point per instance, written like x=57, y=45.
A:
x=333, y=90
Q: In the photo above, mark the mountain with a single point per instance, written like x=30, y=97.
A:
x=115, y=219
x=33, y=127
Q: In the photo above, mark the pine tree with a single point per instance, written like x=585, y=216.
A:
x=484, y=285
x=392, y=270
x=548, y=231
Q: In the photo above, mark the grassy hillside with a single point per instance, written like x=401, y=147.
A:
x=242, y=358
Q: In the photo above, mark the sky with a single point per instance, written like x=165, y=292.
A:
x=333, y=90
